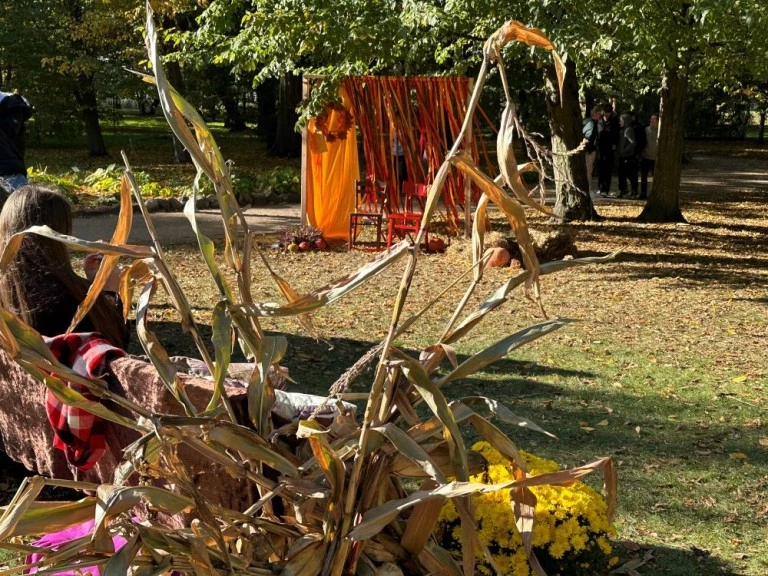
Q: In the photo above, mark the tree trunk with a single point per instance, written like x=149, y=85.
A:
x=85, y=94
x=761, y=134
x=266, y=110
x=664, y=198
x=572, y=199
x=176, y=79
x=287, y=140
x=234, y=119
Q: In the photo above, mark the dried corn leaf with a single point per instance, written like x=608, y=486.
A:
x=501, y=293
x=109, y=261
x=331, y=292
x=29, y=489
x=508, y=163
x=512, y=210
x=14, y=244
x=501, y=348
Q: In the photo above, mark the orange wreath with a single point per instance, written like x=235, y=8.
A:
x=342, y=123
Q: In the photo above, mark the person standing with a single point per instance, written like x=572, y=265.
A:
x=648, y=159
x=398, y=157
x=15, y=110
x=627, y=161
x=640, y=144
x=607, y=142
x=589, y=132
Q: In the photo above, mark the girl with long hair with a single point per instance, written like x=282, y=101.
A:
x=39, y=285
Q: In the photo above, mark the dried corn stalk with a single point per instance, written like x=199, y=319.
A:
x=340, y=486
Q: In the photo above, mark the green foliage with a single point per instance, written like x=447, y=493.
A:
x=283, y=181
x=104, y=182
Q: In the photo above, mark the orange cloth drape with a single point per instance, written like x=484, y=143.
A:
x=332, y=169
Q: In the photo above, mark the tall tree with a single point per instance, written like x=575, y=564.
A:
x=682, y=44
x=59, y=47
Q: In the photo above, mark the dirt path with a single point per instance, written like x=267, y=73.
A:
x=173, y=227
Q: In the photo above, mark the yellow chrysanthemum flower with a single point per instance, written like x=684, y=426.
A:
x=570, y=527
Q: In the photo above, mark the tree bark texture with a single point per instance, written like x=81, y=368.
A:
x=572, y=199
x=664, y=198
x=85, y=95
x=761, y=134
x=287, y=140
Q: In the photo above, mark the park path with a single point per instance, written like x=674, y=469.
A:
x=174, y=228
x=703, y=176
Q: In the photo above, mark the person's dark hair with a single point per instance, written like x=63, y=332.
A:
x=607, y=108
x=597, y=110
x=42, y=269
x=5, y=192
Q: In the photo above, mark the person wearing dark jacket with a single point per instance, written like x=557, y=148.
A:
x=627, y=156
x=607, y=142
x=15, y=110
x=589, y=133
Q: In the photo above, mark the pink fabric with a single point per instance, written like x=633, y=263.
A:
x=56, y=539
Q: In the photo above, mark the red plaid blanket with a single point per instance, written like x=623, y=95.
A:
x=79, y=434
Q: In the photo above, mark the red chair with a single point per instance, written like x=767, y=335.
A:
x=417, y=191
x=371, y=204
x=408, y=223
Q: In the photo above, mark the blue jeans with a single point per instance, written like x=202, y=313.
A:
x=15, y=180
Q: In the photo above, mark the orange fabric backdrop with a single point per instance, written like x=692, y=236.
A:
x=332, y=169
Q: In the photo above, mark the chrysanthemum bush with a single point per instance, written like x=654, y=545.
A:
x=571, y=533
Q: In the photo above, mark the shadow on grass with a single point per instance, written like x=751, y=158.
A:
x=673, y=561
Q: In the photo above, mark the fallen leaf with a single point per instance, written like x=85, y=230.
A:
x=739, y=379
x=738, y=455
x=764, y=441
x=587, y=429
x=603, y=423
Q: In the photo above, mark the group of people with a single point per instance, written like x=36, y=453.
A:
x=626, y=140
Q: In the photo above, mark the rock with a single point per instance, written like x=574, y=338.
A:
x=515, y=264
x=152, y=205
x=389, y=569
x=163, y=204
x=499, y=258
x=258, y=199
x=202, y=203
x=213, y=201
x=183, y=200
x=175, y=205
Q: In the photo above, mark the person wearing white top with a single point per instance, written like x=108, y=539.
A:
x=648, y=158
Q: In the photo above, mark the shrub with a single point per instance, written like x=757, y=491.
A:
x=571, y=528
x=283, y=181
